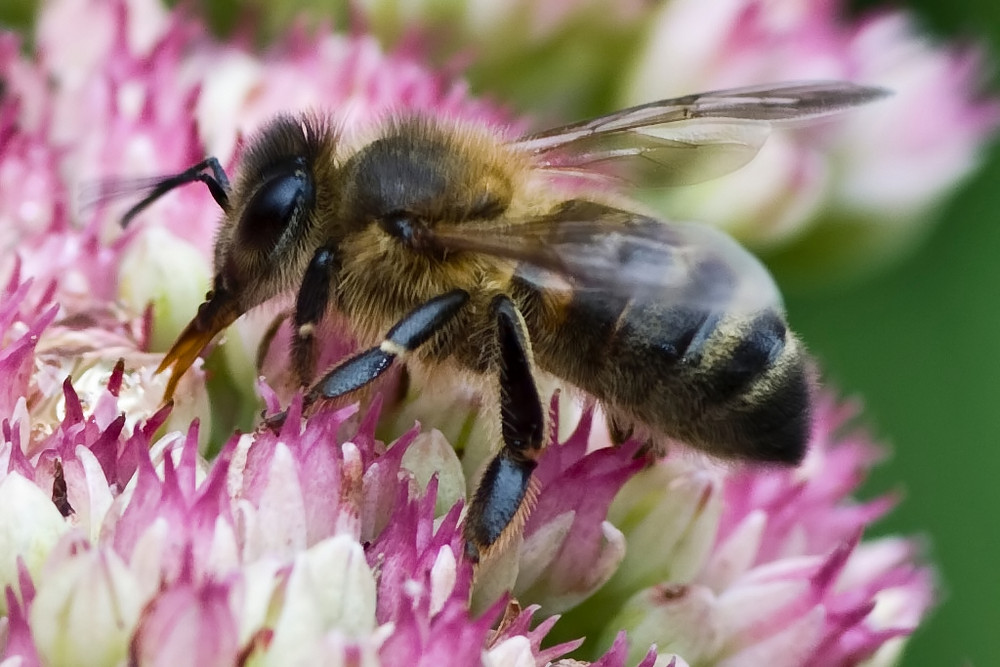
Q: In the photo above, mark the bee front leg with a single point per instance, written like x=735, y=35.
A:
x=311, y=304
x=504, y=495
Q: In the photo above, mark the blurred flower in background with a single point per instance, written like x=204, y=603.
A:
x=125, y=535
x=555, y=59
x=821, y=204
x=837, y=200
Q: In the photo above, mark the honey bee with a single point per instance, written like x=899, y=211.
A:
x=447, y=245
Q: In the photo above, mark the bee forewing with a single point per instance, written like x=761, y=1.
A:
x=679, y=264
x=680, y=153
x=723, y=272
x=779, y=102
x=628, y=255
x=721, y=130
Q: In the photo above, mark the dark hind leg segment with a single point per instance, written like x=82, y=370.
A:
x=504, y=491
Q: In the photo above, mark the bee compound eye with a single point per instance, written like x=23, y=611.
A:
x=276, y=203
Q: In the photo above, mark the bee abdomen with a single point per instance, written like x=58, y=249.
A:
x=757, y=393
x=735, y=386
x=750, y=349
x=739, y=390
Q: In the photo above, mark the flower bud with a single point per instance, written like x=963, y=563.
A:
x=167, y=272
x=431, y=454
x=86, y=606
x=30, y=526
x=330, y=586
x=187, y=625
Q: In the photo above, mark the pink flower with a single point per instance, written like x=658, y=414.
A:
x=135, y=532
x=150, y=551
x=187, y=621
x=569, y=549
x=769, y=568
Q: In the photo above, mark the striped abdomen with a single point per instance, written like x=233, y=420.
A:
x=734, y=385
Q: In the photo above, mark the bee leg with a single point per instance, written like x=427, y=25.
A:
x=264, y=346
x=217, y=183
x=619, y=429
x=310, y=305
x=409, y=333
x=504, y=495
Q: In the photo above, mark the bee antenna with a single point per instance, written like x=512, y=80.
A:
x=217, y=183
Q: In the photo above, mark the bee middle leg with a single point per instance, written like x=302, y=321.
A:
x=413, y=330
x=504, y=495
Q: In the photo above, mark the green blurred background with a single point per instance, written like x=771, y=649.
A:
x=920, y=344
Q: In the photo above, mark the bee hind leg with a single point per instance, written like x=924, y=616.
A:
x=505, y=494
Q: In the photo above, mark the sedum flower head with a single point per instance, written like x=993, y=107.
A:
x=785, y=573
x=558, y=58
x=136, y=533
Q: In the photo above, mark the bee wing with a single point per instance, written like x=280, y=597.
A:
x=688, y=139
x=623, y=254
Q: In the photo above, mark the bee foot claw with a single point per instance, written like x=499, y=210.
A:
x=274, y=422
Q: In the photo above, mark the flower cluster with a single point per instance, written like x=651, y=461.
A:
x=763, y=563
x=126, y=547
x=158, y=535
x=310, y=546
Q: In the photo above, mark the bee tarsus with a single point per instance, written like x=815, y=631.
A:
x=406, y=336
x=504, y=495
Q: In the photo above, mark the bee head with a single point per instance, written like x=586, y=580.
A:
x=268, y=234
x=269, y=231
